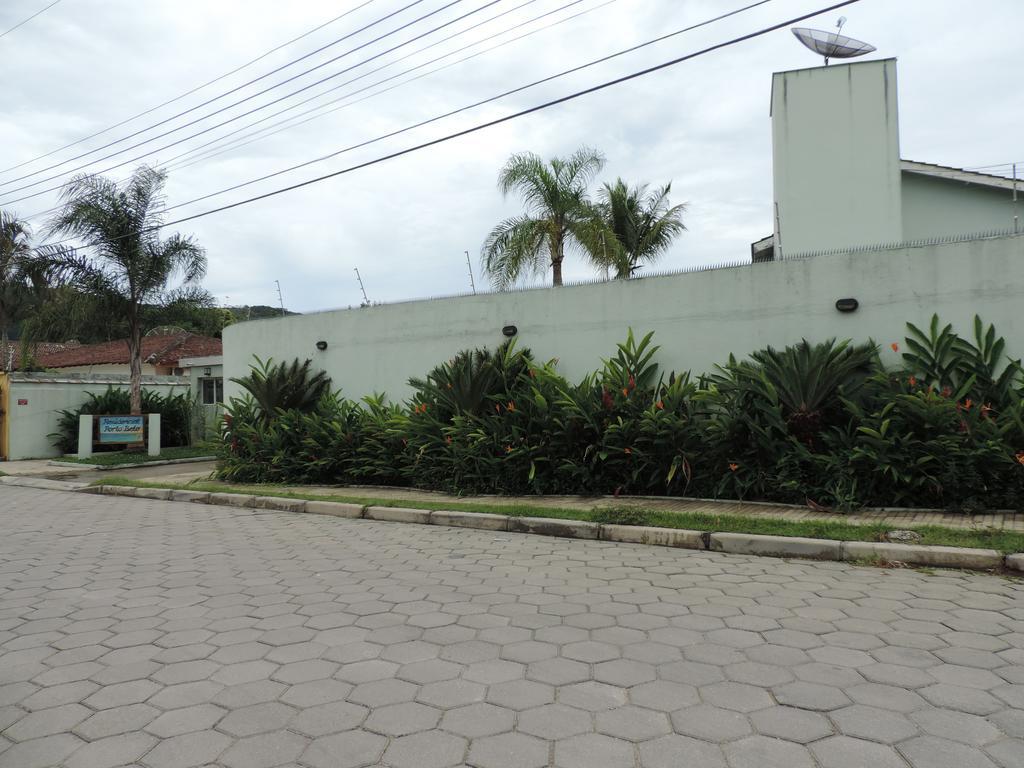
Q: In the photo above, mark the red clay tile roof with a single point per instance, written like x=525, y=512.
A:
x=10, y=356
x=156, y=350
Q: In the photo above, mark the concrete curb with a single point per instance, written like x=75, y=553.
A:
x=136, y=465
x=42, y=483
x=730, y=543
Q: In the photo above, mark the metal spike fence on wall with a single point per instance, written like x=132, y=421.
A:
x=733, y=264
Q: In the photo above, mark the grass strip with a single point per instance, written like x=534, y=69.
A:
x=115, y=458
x=837, y=530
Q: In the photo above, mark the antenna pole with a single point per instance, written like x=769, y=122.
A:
x=280, y=299
x=1016, y=217
x=366, y=301
x=472, y=282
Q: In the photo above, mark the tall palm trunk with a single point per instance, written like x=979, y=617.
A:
x=135, y=364
x=557, y=254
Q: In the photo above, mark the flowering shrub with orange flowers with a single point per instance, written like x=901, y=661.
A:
x=821, y=424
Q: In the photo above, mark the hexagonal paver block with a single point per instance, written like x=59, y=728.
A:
x=325, y=719
x=110, y=722
x=593, y=749
x=198, y=748
x=266, y=750
x=554, y=721
x=765, y=752
x=886, y=697
x=558, y=671
x=402, y=719
x=624, y=672
x=956, y=726
x=199, y=717
x=969, y=700
x=259, y=718
x=791, y=724
x=873, y=724
x=367, y=671
x=433, y=749
x=675, y=751
x=736, y=696
x=633, y=723
x=664, y=696
x=430, y=671
x=451, y=693
x=592, y=696
x=477, y=720
x=813, y=696
x=112, y=751
x=47, y=722
x=351, y=749
x=590, y=652
x=383, y=692
x=509, y=750
x=711, y=723
x=120, y=694
x=846, y=752
x=520, y=694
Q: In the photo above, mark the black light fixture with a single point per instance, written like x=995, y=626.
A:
x=847, y=305
x=509, y=331
x=321, y=345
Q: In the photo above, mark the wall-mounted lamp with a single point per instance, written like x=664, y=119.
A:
x=509, y=330
x=207, y=371
x=847, y=305
x=321, y=345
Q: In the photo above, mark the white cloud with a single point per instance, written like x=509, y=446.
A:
x=406, y=223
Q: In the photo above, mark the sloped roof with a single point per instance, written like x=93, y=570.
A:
x=156, y=350
x=960, y=174
x=10, y=355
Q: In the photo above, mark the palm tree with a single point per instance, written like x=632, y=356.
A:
x=633, y=226
x=557, y=211
x=16, y=257
x=124, y=261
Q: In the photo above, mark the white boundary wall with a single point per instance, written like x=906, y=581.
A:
x=27, y=426
x=698, y=317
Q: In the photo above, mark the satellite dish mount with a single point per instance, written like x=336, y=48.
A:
x=832, y=45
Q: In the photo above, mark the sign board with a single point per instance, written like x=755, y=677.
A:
x=22, y=401
x=120, y=430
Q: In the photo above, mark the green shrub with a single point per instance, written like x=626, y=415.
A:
x=175, y=411
x=285, y=386
x=817, y=424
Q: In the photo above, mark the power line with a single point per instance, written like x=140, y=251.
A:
x=26, y=21
x=498, y=121
x=189, y=92
x=468, y=107
x=170, y=163
x=236, y=89
x=235, y=104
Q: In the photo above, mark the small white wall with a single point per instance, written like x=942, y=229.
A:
x=29, y=425
x=836, y=156
x=101, y=368
x=698, y=318
x=942, y=207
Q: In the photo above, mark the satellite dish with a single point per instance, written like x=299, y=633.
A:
x=832, y=45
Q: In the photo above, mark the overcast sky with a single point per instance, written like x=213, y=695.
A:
x=84, y=65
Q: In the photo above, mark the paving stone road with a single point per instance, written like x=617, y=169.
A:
x=164, y=635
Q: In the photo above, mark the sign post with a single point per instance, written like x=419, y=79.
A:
x=128, y=431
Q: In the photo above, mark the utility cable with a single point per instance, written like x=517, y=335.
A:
x=476, y=104
x=238, y=88
x=23, y=22
x=235, y=104
x=189, y=92
x=172, y=163
x=498, y=121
